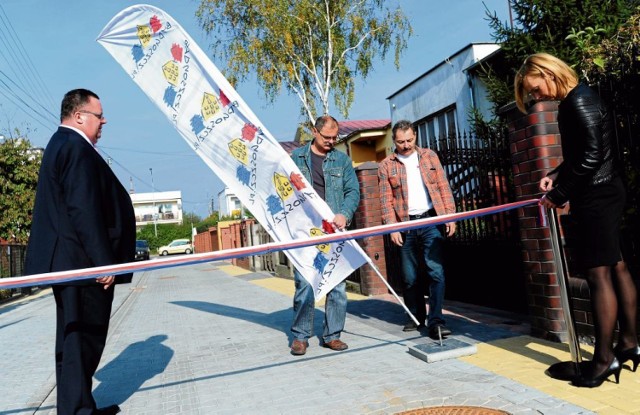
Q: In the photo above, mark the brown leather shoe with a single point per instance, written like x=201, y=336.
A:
x=336, y=344
x=299, y=347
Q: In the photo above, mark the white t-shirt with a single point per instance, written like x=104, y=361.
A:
x=419, y=200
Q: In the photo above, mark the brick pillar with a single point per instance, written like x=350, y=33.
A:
x=367, y=215
x=535, y=149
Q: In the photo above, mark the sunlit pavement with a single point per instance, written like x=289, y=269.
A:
x=214, y=339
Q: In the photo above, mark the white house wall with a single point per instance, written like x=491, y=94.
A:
x=444, y=85
x=223, y=202
x=227, y=202
x=161, y=207
x=482, y=103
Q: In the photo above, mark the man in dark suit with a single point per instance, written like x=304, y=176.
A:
x=83, y=217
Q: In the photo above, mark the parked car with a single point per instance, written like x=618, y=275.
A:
x=142, y=250
x=178, y=246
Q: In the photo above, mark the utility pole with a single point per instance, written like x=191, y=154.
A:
x=155, y=214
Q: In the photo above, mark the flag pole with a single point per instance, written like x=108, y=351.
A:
x=384, y=280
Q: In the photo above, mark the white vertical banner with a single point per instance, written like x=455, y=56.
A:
x=213, y=119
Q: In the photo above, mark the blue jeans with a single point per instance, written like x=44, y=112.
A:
x=426, y=242
x=335, y=310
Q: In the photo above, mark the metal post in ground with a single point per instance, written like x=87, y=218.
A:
x=563, y=370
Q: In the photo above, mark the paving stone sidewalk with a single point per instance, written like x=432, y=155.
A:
x=196, y=340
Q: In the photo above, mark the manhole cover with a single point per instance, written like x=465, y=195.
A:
x=454, y=410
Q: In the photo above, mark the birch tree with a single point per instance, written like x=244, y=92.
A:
x=314, y=49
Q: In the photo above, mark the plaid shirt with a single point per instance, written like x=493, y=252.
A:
x=392, y=178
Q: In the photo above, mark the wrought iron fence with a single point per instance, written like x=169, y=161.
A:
x=480, y=175
x=12, y=265
x=483, y=258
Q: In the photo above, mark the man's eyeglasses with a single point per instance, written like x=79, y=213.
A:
x=98, y=116
x=329, y=137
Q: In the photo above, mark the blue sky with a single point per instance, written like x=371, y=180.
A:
x=59, y=39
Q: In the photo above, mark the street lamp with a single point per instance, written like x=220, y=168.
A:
x=155, y=214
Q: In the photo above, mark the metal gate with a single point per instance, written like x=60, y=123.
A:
x=483, y=259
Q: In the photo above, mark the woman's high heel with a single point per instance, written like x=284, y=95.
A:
x=632, y=354
x=594, y=381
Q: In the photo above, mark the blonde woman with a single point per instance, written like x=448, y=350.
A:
x=589, y=179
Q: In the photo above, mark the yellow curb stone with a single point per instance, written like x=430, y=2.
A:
x=525, y=359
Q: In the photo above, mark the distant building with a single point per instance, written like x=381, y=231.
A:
x=439, y=100
x=229, y=204
x=158, y=207
x=289, y=146
x=365, y=140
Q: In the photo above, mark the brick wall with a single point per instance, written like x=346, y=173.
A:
x=231, y=237
x=206, y=241
x=367, y=215
x=536, y=148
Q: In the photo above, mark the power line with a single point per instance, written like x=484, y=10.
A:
x=39, y=121
x=22, y=92
x=111, y=159
x=53, y=116
x=26, y=58
x=12, y=59
x=157, y=153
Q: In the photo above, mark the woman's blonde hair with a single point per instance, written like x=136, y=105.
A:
x=544, y=65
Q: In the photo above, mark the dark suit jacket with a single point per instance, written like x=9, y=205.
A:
x=83, y=216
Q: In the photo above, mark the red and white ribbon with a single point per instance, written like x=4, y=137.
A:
x=85, y=273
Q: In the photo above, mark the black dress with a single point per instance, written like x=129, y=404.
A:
x=589, y=177
x=598, y=214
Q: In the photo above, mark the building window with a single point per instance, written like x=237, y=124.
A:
x=436, y=127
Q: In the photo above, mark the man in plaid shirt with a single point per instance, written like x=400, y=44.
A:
x=413, y=186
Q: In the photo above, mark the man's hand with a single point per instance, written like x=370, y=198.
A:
x=450, y=228
x=106, y=281
x=339, y=222
x=396, y=238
